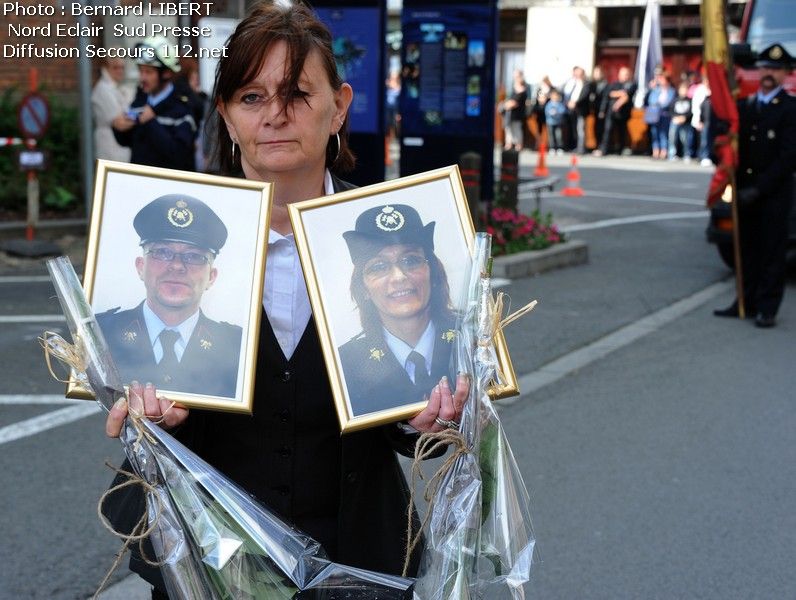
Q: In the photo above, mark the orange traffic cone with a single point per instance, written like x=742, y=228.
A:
x=573, y=180
x=541, y=169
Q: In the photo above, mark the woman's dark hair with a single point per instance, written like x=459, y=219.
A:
x=441, y=309
x=247, y=47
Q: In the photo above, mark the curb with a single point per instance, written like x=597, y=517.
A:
x=534, y=262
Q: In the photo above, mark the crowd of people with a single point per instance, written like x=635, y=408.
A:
x=590, y=114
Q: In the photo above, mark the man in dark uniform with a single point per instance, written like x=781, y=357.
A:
x=766, y=160
x=616, y=108
x=167, y=339
x=159, y=127
x=403, y=297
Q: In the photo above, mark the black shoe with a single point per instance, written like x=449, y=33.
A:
x=730, y=311
x=765, y=321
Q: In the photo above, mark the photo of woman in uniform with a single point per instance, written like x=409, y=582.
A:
x=403, y=301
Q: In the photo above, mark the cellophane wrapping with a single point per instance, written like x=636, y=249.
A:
x=480, y=541
x=212, y=540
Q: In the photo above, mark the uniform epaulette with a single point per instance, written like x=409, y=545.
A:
x=111, y=311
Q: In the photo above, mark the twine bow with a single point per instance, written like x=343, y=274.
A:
x=427, y=444
x=71, y=355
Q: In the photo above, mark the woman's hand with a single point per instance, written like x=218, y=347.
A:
x=144, y=400
x=443, y=404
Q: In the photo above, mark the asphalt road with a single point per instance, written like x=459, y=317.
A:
x=656, y=440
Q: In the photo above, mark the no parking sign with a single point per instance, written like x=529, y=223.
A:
x=33, y=115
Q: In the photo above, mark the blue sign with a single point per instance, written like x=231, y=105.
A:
x=357, y=50
x=34, y=115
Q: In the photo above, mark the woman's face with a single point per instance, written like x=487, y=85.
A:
x=398, y=281
x=273, y=141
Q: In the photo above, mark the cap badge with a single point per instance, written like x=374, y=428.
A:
x=376, y=354
x=180, y=215
x=389, y=219
x=776, y=52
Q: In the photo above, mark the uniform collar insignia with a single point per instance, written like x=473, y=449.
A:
x=205, y=344
x=775, y=101
x=129, y=336
x=449, y=335
x=376, y=354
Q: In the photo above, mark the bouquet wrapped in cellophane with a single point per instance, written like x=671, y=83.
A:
x=479, y=538
x=211, y=539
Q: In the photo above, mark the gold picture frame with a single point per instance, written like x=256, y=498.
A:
x=364, y=374
x=130, y=291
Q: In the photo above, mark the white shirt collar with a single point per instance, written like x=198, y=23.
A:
x=155, y=325
x=424, y=347
x=766, y=98
x=160, y=96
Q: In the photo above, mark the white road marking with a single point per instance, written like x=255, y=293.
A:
x=24, y=278
x=570, y=363
x=637, y=219
x=32, y=318
x=29, y=399
x=618, y=196
x=47, y=421
x=645, y=198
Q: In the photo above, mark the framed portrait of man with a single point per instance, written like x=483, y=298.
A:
x=386, y=268
x=174, y=273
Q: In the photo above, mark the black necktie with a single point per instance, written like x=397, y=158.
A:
x=168, y=364
x=422, y=379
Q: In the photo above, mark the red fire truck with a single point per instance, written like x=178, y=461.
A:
x=765, y=22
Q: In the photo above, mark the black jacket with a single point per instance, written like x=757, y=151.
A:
x=168, y=139
x=767, y=145
x=209, y=365
x=377, y=381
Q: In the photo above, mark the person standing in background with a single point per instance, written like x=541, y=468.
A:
x=764, y=176
x=680, y=126
x=108, y=101
x=576, y=98
x=617, y=104
x=597, y=87
x=159, y=126
x=513, y=111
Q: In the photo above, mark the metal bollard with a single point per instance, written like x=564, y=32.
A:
x=470, y=168
x=509, y=172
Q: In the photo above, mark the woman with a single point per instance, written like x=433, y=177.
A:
x=403, y=297
x=108, y=101
x=283, y=119
x=513, y=111
x=658, y=113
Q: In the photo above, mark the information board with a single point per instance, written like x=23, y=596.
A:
x=447, y=70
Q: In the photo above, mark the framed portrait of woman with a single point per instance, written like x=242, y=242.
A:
x=386, y=268
x=174, y=273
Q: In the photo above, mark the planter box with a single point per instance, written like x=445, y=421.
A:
x=533, y=262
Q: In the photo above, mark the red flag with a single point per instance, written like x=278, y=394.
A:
x=722, y=100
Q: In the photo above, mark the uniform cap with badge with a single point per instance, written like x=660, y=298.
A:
x=774, y=57
x=180, y=218
x=388, y=225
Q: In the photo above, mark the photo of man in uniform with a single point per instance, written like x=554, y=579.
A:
x=167, y=339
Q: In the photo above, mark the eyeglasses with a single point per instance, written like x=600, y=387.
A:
x=410, y=263
x=194, y=259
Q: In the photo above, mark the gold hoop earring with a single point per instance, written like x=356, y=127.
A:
x=339, y=147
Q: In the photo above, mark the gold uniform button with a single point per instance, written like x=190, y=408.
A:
x=749, y=171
